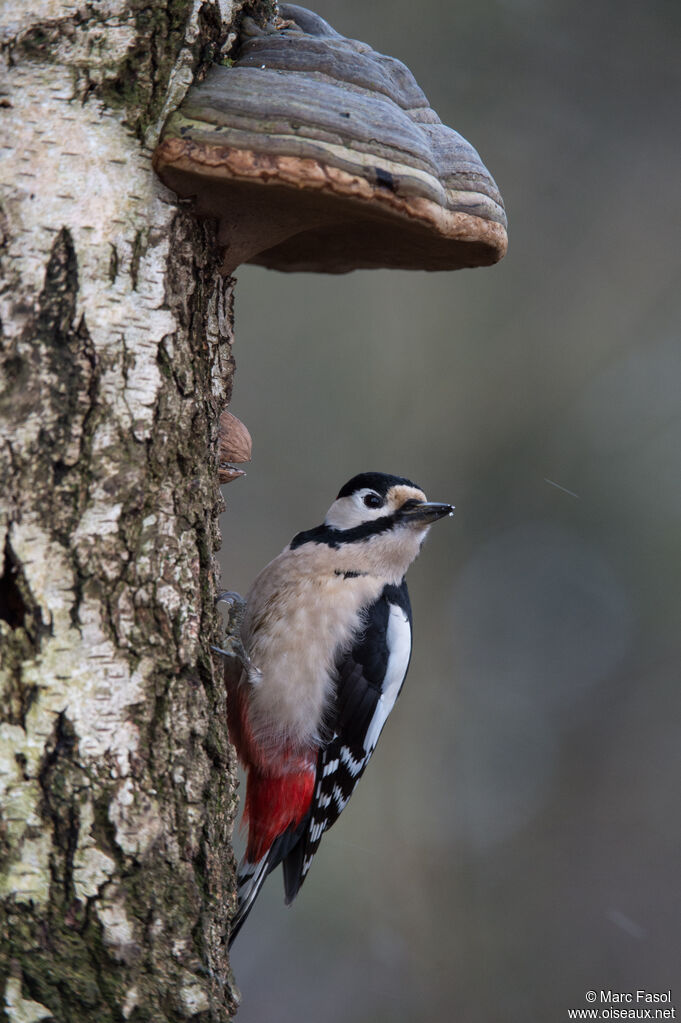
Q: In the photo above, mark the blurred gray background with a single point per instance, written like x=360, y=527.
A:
x=516, y=839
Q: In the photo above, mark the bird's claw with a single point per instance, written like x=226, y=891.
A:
x=232, y=646
x=230, y=597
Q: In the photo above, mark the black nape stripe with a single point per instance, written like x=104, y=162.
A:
x=348, y=575
x=337, y=537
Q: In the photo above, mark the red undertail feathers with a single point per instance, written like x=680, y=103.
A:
x=275, y=803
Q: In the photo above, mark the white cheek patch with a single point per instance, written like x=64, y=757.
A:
x=399, y=645
x=341, y=513
x=348, y=512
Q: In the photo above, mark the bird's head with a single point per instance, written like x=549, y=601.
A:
x=375, y=502
x=375, y=526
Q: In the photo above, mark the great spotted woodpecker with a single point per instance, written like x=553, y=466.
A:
x=327, y=641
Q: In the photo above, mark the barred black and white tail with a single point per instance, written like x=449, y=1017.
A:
x=251, y=876
x=250, y=879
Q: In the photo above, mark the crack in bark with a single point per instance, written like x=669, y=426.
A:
x=112, y=480
x=21, y=641
x=59, y=804
x=13, y=610
x=57, y=300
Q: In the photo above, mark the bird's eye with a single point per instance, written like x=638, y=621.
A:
x=373, y=501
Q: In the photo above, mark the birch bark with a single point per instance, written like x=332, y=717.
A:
x=116, y=774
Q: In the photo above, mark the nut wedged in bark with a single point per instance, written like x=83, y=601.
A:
x=234, y=446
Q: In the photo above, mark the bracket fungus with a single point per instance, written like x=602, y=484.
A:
x=316, y=153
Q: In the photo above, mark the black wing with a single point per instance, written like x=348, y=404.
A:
x=369, y=678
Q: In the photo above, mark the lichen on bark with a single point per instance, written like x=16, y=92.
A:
x=116, y=773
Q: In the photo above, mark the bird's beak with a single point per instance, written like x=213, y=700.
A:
x=425, y=512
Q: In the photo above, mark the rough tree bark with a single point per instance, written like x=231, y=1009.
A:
x=116, y=774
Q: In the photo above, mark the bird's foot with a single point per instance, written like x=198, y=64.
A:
x=232, y=645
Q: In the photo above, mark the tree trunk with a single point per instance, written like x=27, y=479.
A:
x=116, y=773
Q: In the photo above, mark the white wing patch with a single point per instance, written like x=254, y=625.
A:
x=399, y=646
x=317, y=829
x=353, y=766
x=339, y=799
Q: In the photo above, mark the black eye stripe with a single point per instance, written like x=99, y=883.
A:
x=336, y=537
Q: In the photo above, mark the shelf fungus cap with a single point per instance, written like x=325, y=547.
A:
x=316, y=153
x=234, y=447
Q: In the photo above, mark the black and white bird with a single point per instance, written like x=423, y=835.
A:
x=327, y=639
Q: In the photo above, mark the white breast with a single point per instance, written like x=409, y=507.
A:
x=399, y=647
x=293, y=635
